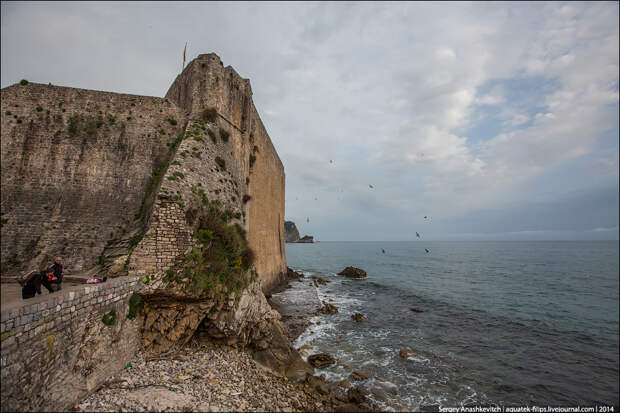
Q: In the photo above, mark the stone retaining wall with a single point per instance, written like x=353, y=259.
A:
x=57, y=350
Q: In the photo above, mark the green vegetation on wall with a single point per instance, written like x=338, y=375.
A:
x=109, y=318
x=220, y=257
x=134, y=305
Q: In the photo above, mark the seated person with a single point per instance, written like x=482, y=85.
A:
x=33, y=285
x=58, y=275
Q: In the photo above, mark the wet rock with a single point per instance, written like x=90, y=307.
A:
x=328, y=309
x=292, y=274
x=416, y=310
x=359, y=317
x=356, y=395
x=353, y=272
x=359, y=375
x=321, y=281
x=321, y=360
x=406, y=352
x=379, y=394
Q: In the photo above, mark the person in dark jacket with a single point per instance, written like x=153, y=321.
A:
x=33, y=286
x=57, y=280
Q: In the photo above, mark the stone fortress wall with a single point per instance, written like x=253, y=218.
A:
x=75, y=165
x=78, y=168
x=205, y=83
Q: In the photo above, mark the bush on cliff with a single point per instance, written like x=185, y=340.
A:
x=84, y=125
x=209, y=115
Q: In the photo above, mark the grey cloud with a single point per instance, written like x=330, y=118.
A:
x=371, y=86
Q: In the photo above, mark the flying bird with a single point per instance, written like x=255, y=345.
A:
x=426, y=249
x=425, y=216
x=370, y=186
x=417, y=235
x=331, y=161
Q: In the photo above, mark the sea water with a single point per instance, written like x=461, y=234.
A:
x=503, y=323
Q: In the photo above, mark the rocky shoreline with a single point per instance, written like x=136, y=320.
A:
x=206, y=377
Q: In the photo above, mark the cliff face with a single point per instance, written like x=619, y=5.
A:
x=82, y=173
x=292, y=234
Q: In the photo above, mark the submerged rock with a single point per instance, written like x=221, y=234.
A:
x=406, y=352
x=319, y=280
x=353, y=272
x=359, y=317
x=321, y=360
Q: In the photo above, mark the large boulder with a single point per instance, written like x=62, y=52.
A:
x=328, y=309
x=173, y=314
x=359, y=317
x=321, y=360
x=353, y=272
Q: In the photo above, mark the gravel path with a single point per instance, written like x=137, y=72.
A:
x=201, y=378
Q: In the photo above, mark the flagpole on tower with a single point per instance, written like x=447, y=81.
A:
x=184, y=55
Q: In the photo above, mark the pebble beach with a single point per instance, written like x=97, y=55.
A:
x=201, y=378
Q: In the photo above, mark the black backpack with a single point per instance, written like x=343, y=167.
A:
x=26, y=278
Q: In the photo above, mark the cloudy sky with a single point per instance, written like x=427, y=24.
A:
x=495, y=120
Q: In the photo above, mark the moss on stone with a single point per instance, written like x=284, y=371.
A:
x=109, y=318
